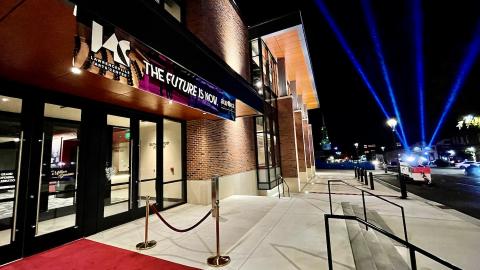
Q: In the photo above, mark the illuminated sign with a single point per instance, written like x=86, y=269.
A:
x=116, y=55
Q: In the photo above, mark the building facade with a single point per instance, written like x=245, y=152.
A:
x=102, y=108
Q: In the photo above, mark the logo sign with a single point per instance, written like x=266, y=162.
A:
x=118, y=48
x=116, y=55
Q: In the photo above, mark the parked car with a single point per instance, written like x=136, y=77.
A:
x=464, y=164
x=473, y=170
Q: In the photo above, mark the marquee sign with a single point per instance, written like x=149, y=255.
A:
x=115, y=55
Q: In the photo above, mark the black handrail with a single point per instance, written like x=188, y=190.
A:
x=364, y=208
x=412, y=248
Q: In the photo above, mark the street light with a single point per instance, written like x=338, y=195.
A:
x=392, y=122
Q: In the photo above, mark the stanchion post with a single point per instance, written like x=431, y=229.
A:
x=146, y=244
x=372, y=185
x=217, y=260
x=361, y=175
x=366, y=177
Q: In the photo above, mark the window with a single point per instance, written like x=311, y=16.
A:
x=265, y=80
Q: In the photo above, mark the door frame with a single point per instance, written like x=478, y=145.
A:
x=32, y=243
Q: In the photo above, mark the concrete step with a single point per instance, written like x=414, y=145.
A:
x=380, y=256
x=361, y=253
x=383, y=253
x=372, y=217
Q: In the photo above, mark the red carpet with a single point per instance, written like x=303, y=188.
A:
x=86, y=254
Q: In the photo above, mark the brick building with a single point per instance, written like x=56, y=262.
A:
x=102, y=108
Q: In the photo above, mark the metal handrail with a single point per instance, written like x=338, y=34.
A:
x=412, y=248
x=364, y=208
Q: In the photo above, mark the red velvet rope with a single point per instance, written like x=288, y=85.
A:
x=173, y=228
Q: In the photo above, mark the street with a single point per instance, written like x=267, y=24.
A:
x=450, y=188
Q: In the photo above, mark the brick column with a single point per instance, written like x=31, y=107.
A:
x=288, y=143
x=300, y=146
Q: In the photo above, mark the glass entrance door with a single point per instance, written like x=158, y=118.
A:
x=11, y=145
x=56, y=204
x=53, y=198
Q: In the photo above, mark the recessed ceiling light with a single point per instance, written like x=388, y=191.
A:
x=75, y=70
x=5, y=99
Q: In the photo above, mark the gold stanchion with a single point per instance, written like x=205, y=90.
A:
x=146, y=244
x=217, y=260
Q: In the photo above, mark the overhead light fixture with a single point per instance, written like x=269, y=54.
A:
x=258, y=84
x=5, y=99
x=16, y=140
x=204, y=113
x=75, y=70
x=170, y=101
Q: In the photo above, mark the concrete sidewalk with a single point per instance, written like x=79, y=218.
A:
x=289, y=233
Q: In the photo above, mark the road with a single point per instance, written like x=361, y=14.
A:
x=450, y=188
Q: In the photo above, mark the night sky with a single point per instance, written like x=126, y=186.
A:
x=350, y=112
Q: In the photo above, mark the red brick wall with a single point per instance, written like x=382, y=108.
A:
x=220, y=147
x=300, y=143
x=217, y=24
x=286, y=128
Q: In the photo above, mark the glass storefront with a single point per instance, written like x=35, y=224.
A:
x=66, y=171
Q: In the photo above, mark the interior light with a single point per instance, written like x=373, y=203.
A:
x=258, y=84
x=204, y=113
x=16, y=140
x=75, y=70
x=5, y=99
x=170, y=101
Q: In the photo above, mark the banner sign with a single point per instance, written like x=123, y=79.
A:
x=7, y=178
x=116, y=55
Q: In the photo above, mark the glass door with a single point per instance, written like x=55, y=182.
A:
x=57, y=192
x=174, y=182
x=11, y=145
x=147, y=173
x=53, y=198
x=118, y=188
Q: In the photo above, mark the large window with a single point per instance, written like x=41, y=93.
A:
x=268, y=150
x=264, y=70
x=265, y=79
